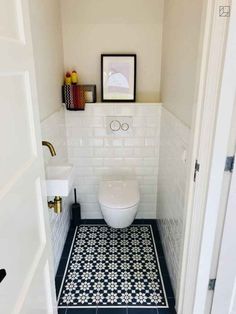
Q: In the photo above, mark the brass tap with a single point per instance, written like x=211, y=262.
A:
x=56, y=204
x=50, y=147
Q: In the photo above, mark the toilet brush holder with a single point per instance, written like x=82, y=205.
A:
x=75, y=212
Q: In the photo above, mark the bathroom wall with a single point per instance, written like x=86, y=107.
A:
x=92, y=27
x=180, y=56
x=48, y=54
x=174, y=143
x=97, y=155
x=53, y=129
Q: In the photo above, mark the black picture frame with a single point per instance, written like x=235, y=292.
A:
x=132, y=57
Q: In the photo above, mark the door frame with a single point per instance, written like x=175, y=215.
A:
x=209, y=144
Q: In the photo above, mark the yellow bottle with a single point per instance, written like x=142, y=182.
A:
x=68, y=78
x=74, y=78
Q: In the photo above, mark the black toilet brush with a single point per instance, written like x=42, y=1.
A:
x=76, y=215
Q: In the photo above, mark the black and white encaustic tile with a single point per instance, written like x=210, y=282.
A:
x=112, y=268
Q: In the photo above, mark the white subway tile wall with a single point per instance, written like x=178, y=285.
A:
x=174, y=138
x=53, y=130
x=60, y=224
x=80, y=137
x=98, y=155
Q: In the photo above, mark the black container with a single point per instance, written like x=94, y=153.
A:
x=75, y=212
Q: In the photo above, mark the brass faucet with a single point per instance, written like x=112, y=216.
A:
x=50, y=147
x=56, y=204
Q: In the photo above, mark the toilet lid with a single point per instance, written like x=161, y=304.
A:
x=119, y=194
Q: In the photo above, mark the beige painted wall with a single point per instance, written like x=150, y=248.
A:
x=48, y=53
x=181, y=34
x=93, y=27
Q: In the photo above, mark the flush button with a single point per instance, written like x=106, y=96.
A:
x=125, y=126
x=115, y=125
x=119, y=125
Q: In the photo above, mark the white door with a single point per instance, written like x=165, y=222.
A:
x=25, y=252
x=224, y=300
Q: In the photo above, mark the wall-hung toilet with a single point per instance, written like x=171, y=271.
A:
x=119, y=202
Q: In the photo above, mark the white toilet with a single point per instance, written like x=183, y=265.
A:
x=119, y=202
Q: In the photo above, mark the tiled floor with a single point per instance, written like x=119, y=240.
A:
x=114, y=255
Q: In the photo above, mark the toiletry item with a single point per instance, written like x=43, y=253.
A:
x=68, y=97
x=76, y=217
x=68, y=78
x=78, y=97
x=74, y=77
x=74, y=97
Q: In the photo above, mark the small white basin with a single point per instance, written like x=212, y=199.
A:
x=59, y=179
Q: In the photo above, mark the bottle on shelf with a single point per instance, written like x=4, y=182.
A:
x=68, y=79
x=74, y=77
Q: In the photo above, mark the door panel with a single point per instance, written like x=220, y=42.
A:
x=25, y=250
x=11, y=19
x=16, y=124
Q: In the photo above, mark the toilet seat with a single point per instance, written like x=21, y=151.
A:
x=121, y=194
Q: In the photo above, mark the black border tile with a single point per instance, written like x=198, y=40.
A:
x=171, y=302
x=164, y=269
x=62, y=311
x=58, y=282
x=62, y=266
x=142, y=311
x=82, y=311
x=166, y=311
x=67, y=246
x=168, y=286
x=94, y=221
x=112, y=310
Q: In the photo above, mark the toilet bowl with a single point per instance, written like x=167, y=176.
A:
x=119, y=202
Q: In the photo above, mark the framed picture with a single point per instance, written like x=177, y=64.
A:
x=118, y=77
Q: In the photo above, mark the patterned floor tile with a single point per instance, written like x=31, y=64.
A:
x=113, y=268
